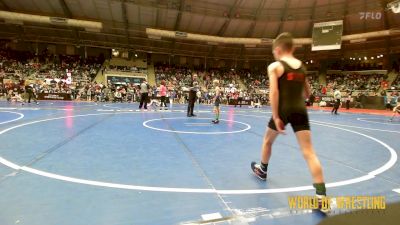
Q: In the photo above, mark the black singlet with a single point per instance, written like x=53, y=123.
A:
x=292, y=107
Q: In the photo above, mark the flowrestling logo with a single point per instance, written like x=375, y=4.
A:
x=370, y=15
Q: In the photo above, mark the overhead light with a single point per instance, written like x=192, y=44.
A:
x=311, y=61
x=115, y=52
x=394, y=6
x=372, y=57
x=365, y=58
x=136, y=55
x=359, y=59
x=306, y=62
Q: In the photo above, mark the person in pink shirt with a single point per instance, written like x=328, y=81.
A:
x=163, y=94
x=323, y=90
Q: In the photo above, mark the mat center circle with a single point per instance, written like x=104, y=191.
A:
x=187, y=125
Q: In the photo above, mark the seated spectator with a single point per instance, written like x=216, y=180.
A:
x=118, y=96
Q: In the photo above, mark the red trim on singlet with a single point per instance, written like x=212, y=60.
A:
x=296, y=76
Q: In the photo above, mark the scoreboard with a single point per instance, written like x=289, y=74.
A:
x=327, y=35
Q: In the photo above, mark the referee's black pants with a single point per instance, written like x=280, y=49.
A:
x=31, y=95
x=143, y=100
x=191, y=106
x=336, y=106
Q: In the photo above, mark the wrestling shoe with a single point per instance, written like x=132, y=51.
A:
x=215, y=121
x=256, y=168
x=323, y=207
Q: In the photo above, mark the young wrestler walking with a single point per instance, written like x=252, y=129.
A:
x=288, y=90
x=217, y=101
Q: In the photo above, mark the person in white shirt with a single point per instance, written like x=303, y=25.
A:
x=337, y=96
x=240, y=98
x=89, y=94
x=198, y=95
x=144, y=94
x=118, y=96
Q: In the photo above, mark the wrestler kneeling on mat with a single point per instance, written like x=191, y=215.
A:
x=288, y=87
x=396, y=110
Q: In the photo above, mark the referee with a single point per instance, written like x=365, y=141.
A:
x=31, y=95
x=192, y=96
x=144, y=94
x=337, y=96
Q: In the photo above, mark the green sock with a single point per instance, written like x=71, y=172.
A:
x=264, y=166
x=320, y=188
